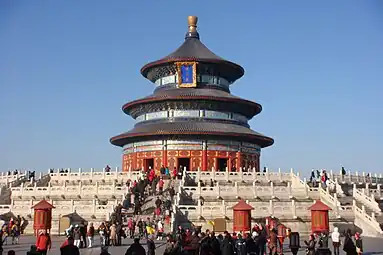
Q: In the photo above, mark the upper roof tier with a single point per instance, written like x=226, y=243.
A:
x=193, y=50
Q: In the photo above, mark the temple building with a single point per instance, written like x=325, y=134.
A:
x=191, y=120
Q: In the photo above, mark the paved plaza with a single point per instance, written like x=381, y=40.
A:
x=373, y=246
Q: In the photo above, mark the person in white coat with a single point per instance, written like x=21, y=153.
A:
x=335, y=240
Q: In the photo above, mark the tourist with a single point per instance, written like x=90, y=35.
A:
x=70, y=248
x=169, y=246
x=160, y=230
x=358, y=243
x=11, y=252
x=227, y=247
x=323, y=240
x=83, y=231
x=90, y=235
x=135, y=248
x=15, y=233
x=113, y=234
x=77, y=236
x=349, y=246
x=120, y=233
x=310, y=245
x=335, y=240
x=151, y=245
x=240, y=246
x=167, y=172
x=43, y=242
x=102, y=232
x=273, y=242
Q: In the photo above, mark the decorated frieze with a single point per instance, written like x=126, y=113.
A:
x=221, y=148
x=250, y=145
x=186, y=113
x=184, y=147
x=208, y=114
x=149, y=148
x=203, y=79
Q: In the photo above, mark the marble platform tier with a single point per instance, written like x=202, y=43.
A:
x=96, y=190
x=358, y=177
x=240, y=176
x=255, y=190
x=102, y=175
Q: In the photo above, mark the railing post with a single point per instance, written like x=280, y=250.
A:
x=72, y=205
x=357, y=176
x=223, y=208
x=336, y=206
x=289, y=190
x=367, y=189
x=271, y=207
x=96, y=187
x=255, y=190
x=364, y=176
x=199, y=208
x=272, y=190
x=93, y=206
x=349, y=177
x=91, y=172
x=218, y=190
x=267, y=175
x=354, y=190
x=213, y=174
x=306, y=188
x=227, y=176
x=379, y=190
x=103, y=173
x=293, y=209
x=241, y=174
x=236, y=189
x=280, y=174
x=331, y=174
x=198, y=175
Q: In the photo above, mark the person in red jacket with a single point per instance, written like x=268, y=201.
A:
x=43, y=242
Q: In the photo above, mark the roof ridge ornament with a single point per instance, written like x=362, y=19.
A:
x=192, y=23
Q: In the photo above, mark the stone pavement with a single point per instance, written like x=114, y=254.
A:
x=373, y=246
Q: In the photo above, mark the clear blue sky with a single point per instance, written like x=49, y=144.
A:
x=67, y=67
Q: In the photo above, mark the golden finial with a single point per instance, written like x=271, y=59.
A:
x=192, y=21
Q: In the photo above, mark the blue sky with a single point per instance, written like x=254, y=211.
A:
x=67, y=67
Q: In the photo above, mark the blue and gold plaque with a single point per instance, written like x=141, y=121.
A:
x=187, y=74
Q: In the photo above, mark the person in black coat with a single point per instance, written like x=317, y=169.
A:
x=214, y=244
x=70, y=248
x=227, y=247
x=135, y=248
x=151, y=245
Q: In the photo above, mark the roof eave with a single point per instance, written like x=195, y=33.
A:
x=123, y=139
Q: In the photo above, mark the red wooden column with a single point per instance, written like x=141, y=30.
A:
x=319, y=217
x=165, y=154
x=134, y=159
x=238, y=160
x=204, y=156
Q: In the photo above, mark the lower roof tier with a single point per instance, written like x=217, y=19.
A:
x=195, y=128
x=191, y=98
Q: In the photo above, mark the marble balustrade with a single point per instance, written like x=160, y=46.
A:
x=5, y=178
x=94, y=175
x=239, y=176
x=292, y=210
x=357, y=177
x=249, y=191
x=78, y=190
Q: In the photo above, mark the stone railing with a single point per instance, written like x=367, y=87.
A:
x=62, y=191
x=338, y=188
x=239, y=176
x=371, y=222
x=8, y=179
x=368, y=201
x=358, y=178
x=94, y=175
x=274, y=209
x=246, y=191
x=83, y=210
x=377, y=193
